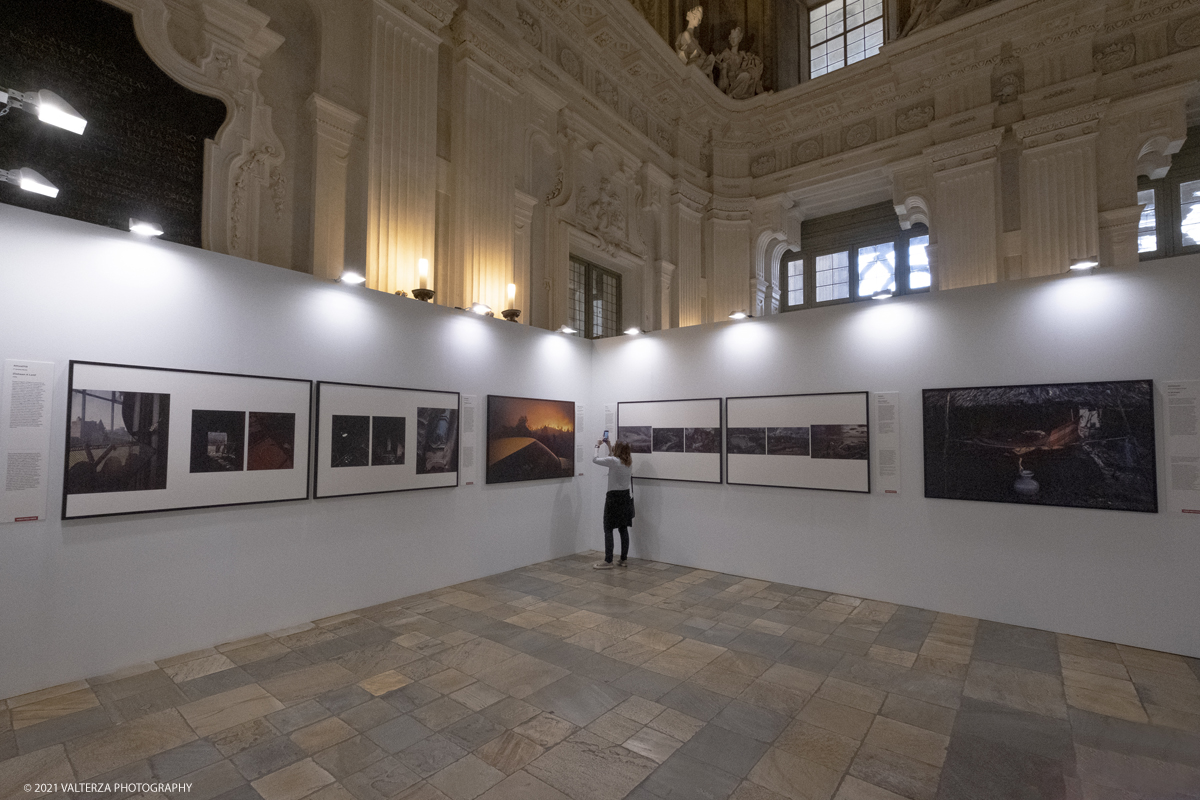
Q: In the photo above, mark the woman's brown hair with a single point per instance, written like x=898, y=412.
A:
x=621, y=451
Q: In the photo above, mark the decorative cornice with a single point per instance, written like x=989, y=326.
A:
x=1083, y=119
x=988, y=140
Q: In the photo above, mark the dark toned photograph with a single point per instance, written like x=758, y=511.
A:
x=1083, y=445
x=839, y=441
x=387, y=441
x=350, y=445
x=118, y=441
x=529, y=439
x=746, y=441
x=667, y=440
x=702, y=440
x=787, y=441
x=437, y=440
x=272, y=441
x=637, y=437
x=218, y=441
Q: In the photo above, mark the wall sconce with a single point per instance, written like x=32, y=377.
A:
x=143, y=228
x=1083, y=264
x=49, y=107
x=567, y=329
x=481, y=309
x=511, y=313
x=29, y=180
x=352, y=278
x=423, y=292
x=633, y=331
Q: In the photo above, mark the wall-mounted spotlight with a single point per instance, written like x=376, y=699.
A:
x=567, y=329
x=740, y=315
x=633, y=331
x=1082, y=264
x=49, y=107
x=29, y=180
x=884, y=295
x=143, y=228
x=352, y=278
x=481, y=309
x=511, y=313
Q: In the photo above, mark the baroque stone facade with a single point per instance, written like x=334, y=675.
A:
x=498, y=138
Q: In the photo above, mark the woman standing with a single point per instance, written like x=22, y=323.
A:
x=618, y=503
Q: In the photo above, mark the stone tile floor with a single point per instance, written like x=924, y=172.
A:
x=656, y=681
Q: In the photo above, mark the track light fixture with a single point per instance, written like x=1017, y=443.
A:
x=49, y=107
x=144, y=228
x=29, y=180
x=352, y=278
x=1081, y=264
x=567, y=329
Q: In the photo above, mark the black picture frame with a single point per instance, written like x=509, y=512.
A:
x=502, y=463
x=175, y=469
x=853, y=447
x=720, y=426
x=321, y=453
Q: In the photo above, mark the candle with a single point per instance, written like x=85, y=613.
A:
x=423, y=272
x=512, y=295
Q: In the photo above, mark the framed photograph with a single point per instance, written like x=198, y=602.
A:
x=673, y=440
x=529, y=439
x=373, y=439
x=1083, y=445
x=799, y=441
x=144, y=439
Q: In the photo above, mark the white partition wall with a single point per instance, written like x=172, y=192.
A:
x=1113, y=575
x=84, y=597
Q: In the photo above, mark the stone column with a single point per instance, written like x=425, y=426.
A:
x=334, y=130
x=965, y=184
x=687, y=215
x=1059, y=222
x=402, y=141
x=482, y=163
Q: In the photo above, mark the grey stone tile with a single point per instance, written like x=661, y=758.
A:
x=369, y=636
x=998, y=652
x=324, y=651
x=1022, y=731
x=897, y=773
x=647, y=684
x=137, y=772
x=57, y=731
x=369, y=715
x=414, y=695
x=149, y=702
x=472, y=732
x=211, y=781
x=937, y=689
x=811, y=657
x=681, y=776
x=529, y=642
x=183, y=759
x=398, y=734
x=586, y=766
x=349, y=757
x=846, y=645
x=8, y=745
x=720, y=634
x=602, y=668
x=344, y=698
x=298, y=716
x=978, y=769
x=998, y=633
x=223, y=681
x=690, y=699
x=267, y=668
x=242, y=737
x=760, y=644
x=757, y=723
x=430, y=755
x=729, y=751
x=267, y=757
x=135, y=684
x=383, y=780
x=1134, y=738
x=576, y=699
x=243, y=792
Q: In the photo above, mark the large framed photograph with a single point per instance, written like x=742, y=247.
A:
x=1083, y=445
x=529, y=439
x=800, y=441
x=673, y=440
x=373, y=439
x=146, y=439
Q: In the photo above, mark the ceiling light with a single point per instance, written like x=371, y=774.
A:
x=29, y=180
x=352, y=278
x=49, y=107
x=567, y=329
x=143, y=228
x=1080, y=264
x=632, y=331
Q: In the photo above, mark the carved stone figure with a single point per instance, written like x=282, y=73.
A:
x=605, y=217
x=741, y=72
x=927, y=13
x=687, y=46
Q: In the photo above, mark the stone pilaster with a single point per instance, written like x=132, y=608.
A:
x=335, y=130
x=965, y=185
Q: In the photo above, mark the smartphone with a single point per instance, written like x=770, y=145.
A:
x=606, y=436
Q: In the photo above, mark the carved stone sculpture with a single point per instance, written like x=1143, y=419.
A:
x=927, y=13
x=687, y=46
x=741, y=72
x=605, y=217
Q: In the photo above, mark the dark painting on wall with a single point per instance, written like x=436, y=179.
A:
x=787, y=441
x=218, y=441
x=840, y=441
x=1084, y=445
x=667, y=440
x=351, y=444
x=272, y=441
x=118, y=441
x=638, y=437
x=746, y=441
x=702, y=440
x=142, y=152
x=387, y=441
x=529, y=439
x=437, y=440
